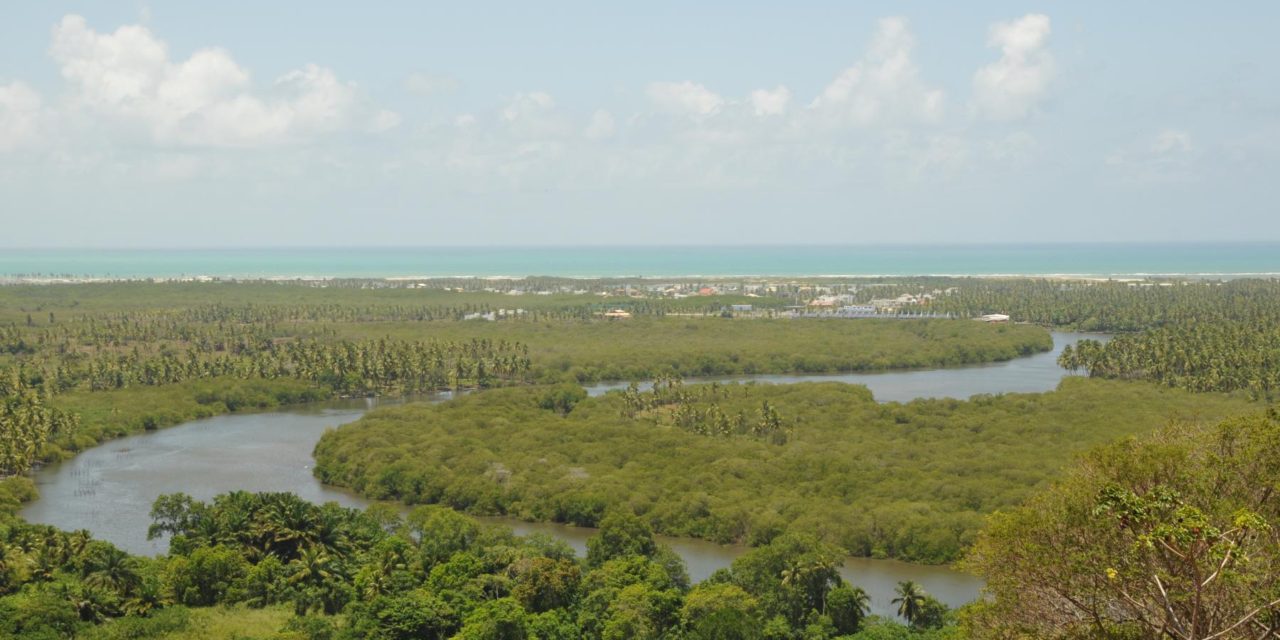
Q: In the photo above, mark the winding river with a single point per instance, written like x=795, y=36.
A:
x=109, y=489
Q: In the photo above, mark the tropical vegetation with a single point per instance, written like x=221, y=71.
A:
x=275, y=566
x=1174, y=534
x=910, y=481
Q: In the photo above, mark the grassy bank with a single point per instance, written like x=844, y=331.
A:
x=112, y=414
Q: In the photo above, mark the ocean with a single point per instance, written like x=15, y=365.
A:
x=1092, y=260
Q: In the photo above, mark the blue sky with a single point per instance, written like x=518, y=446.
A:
x=284, y=123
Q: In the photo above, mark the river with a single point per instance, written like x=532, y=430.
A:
x=109, y=489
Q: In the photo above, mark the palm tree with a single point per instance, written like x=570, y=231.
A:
x=862, y=600
x=107, y=567
x=910, y=600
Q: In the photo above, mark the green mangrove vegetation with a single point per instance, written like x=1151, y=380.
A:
x=1133, y=503
x=84, y=362
x=910, y=481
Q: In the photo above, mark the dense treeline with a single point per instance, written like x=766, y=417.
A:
x=1110, y=306
x=646, y=348
x=347, y=574
x=27, y=424
x=395, y=357
x=1175, y=535
x=1196, y=335
x=290, y=302
x=1088, y=305
x=1204, y=356
x=909, y=481
x=348, y=366
x=375, y=347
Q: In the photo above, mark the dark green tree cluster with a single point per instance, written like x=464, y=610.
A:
x=1116, y=306
x=351, y=367
x=26, y=424
x=695, y=409
x=1204, y=356
x=347, y=575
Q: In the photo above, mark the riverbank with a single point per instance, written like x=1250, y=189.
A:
x=109, y=490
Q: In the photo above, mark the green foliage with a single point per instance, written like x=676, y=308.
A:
x=1200, y=356
x=501, y=619
x=621, y=534
x=562, y=398
x=1112, y=306
x=38, y=613
x=205, y=577
x=411, y=615
x=1174, y=535
x=910, y=480
x=272, y=566
x=848, y=607
x=15, y=491
x=720, y=612
x=161, y=624
x=26, y=424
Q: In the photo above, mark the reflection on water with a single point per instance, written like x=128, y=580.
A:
x=1032, y=374
x=109, y=489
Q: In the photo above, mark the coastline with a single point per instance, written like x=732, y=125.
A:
x=649, y=263
x=13, y=280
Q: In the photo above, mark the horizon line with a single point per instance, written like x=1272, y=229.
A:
x=763, y=245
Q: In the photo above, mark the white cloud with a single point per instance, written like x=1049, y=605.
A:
x=465, y=120
x=1170, y=141
x=534, y=115
x=526, y=104
x=601, y=126
x=426, y=84
x=917, y=157
x=20, y=115
x=884, y=86
x=1169, y=156
x=770, y=103
x=684, y=98
x=1014, y=85
x=206, y=100
x=384, y=120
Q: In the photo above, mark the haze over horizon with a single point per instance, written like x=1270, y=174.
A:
x=235, y=125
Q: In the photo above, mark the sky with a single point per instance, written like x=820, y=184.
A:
x=236, y=123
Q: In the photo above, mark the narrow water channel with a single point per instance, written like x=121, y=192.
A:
x=109, y=489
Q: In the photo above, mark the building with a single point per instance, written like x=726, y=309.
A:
x=857, y=310
x=617, y=314
x=994, y=317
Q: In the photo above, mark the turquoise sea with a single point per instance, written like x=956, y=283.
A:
x=659, y=261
